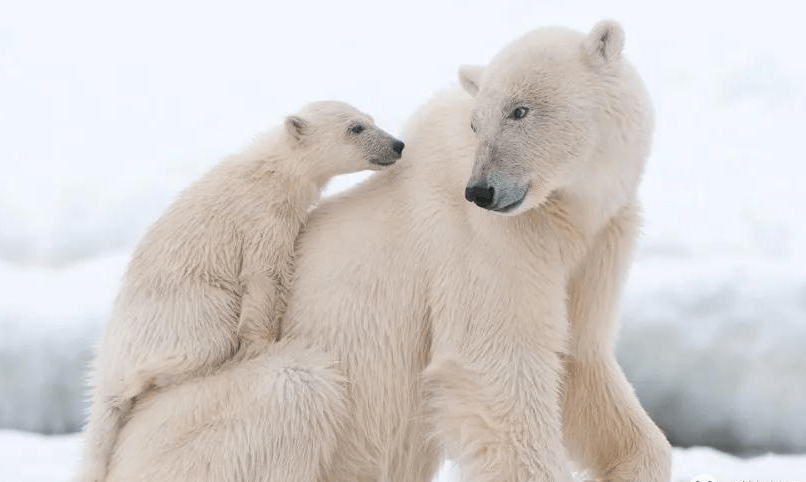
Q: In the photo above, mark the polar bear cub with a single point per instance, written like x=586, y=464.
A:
x=210, y=277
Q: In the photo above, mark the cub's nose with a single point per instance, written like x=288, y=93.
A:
x=481, y=194
x=398, y=147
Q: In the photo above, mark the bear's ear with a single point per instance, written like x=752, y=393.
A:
x=296, y=127
x=605, y=42
x=470, y=77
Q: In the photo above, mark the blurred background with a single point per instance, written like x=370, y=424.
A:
x=108, y=109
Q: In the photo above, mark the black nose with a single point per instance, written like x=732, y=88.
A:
x=398, y=147
x=480, y=194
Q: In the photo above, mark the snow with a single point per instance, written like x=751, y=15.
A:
x=28, y=457
x=108, y=110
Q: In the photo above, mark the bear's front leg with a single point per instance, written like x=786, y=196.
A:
x=497, y=413
x=605, y=426
x=265, y=278
x=262, y=305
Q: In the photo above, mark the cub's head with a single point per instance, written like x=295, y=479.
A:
x=536, y=113
x=341, y=138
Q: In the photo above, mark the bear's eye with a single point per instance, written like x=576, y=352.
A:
x=473, y=127
x=519, y=113
x=357, y=129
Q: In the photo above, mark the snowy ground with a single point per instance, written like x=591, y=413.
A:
x=108, y=110
x=26, y=457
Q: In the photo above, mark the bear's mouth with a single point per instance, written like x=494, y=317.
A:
x=513, y=205
x=378, y=162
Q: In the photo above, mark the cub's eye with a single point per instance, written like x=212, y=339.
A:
x=519, y=113
x=357, y=129
x=473, y=127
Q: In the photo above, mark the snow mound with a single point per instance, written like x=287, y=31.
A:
x=50, y=318
x=715, y=351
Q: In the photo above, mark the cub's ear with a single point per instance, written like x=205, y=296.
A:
x=470, y=78
x=296, y=127
x=605, y=42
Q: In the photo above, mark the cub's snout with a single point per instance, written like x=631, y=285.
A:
x=391, y=154
x=398, y=146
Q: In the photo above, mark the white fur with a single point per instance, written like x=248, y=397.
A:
x=210, y=277
x=196, y=431
x=457, y=330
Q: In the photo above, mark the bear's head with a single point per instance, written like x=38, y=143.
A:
x=544, y=107
x=342, y=138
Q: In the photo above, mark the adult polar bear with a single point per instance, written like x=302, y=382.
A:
x=415, y=313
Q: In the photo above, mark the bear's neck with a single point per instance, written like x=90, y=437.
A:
x=612, y=173
x=272, y=157
x=300, y=166
x=592, y=205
